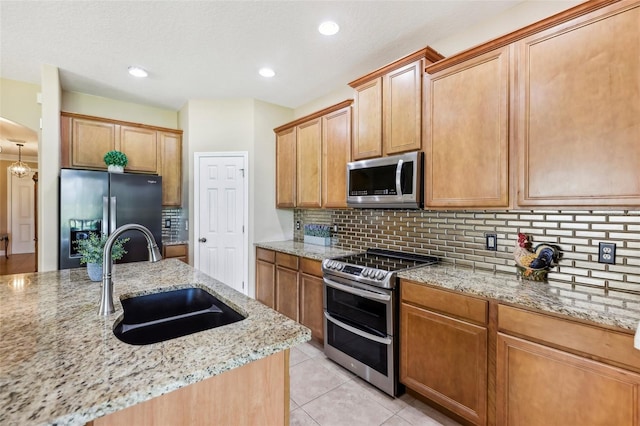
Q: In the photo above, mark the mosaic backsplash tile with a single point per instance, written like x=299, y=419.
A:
x=458, y=237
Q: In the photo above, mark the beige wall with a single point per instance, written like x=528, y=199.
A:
x=82, y=103
x=19, y=103
x=48, y=171
x=239, y=125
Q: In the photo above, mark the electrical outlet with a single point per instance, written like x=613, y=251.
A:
x=607, y=253
x=167, y=223
x=335, y=229
x=297, y=225
x=491, y=242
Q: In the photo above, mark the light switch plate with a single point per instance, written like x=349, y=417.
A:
x=491, y=242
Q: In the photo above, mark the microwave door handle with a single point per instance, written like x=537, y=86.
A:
x=368, y=336
x=399, y=177
x=105, y=215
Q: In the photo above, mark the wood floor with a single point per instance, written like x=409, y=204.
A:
x=17, y=264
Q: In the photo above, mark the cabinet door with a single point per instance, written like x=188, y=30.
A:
x=287, y=292
x=445, y=360
x=311, y=310
x=579, y=111
x=402, y=106
x=336, y=146
x=171, y=168
x=139, y=145
x=367, y=123
x=90, y=141
x=309, y=164
x=266, y=283
x=286, y=168
x=537, y=385
x=467, y=133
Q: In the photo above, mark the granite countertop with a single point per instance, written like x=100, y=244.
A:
x=591, y=304
x=61, y=364
x=310, y=251
x=614, y=309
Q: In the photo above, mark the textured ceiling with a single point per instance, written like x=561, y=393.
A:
x=213, y=49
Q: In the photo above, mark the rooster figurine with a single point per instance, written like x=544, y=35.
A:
x=534, y=264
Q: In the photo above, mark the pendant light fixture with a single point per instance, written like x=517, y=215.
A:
x=20, y=169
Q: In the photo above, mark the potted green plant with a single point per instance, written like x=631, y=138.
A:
x=91, y=251
x=115, y=161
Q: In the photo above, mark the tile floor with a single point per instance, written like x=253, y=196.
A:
x=325, y=394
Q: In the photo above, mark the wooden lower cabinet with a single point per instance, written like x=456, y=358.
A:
x=293, y=286
x=287, y=292
x=256, y=393
x=179, y=251
x=538, y=385
x=445, y=360
x=311, y=298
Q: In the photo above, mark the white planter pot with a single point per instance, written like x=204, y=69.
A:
x=115, y=169
x=94, y=270
x=319, y=241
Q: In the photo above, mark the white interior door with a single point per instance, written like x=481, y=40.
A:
x=21, y=216
x=221, y=207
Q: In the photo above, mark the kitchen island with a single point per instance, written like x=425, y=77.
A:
x=60, y=362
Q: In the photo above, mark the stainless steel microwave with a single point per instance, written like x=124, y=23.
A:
x=389, y=182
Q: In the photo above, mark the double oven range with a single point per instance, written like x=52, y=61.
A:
x=361, y=312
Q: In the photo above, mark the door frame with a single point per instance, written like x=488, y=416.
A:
x=196, y=208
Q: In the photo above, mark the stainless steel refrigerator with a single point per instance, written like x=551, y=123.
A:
x=100, y=202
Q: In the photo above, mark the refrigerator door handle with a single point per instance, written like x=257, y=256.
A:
x=112, y=215
x=105, y=215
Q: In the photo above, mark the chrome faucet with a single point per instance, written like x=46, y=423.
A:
x=106, y=296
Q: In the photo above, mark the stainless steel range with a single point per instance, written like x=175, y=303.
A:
x=361, y=313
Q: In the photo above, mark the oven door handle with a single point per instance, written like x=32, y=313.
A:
x=383, y=340
x=358, y=292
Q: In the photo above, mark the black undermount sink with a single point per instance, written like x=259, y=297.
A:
x=157, y=317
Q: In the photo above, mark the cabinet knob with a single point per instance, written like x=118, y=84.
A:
x=203, y=240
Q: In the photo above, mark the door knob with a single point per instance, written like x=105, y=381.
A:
x=203, y=240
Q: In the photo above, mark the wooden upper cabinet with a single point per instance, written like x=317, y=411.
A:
x=336, y=153
x=387, y=116
x=140, y=146
x=170, y=145
x=286, y=168
x=90, y=141
x=367, y=120
x=309, y=164
x=402, y=108
x=466, y=133
x=579, y=111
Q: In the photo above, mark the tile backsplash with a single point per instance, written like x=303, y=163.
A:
x=176, y=231
x=458, y=237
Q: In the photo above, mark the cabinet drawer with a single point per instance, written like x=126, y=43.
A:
x=311, y=267
x=176, y=250
x=605, y=344
x=458, y=305
x=266, y=255
x=287, y=260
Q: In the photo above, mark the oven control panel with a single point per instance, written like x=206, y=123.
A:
x=369, y=274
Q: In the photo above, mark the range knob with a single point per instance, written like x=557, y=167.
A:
x=380, y=275
x=365, y=272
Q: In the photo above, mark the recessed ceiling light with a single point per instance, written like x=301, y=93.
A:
x=328, y=28
x=138, y=72
x=266, y=72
